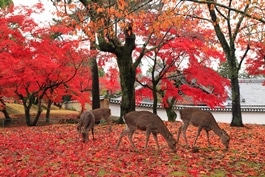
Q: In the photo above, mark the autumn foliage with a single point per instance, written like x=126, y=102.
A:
x=55, y=151
x=40, y=64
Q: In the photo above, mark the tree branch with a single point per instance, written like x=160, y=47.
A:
x=229, y=8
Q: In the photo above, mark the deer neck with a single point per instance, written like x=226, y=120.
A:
x=165, y=133
x=216, y=129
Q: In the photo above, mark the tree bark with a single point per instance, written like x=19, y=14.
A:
x=236, y=106
x=7, y=117
x=126, y=67
x=155, y=101
x=95, y=84
x=48, y=111
x=127, y=79
x=171, y=114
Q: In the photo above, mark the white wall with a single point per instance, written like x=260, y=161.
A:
x=248, y=117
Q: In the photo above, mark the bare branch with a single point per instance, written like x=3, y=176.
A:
x=229, y=8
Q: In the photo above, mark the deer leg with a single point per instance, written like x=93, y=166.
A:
x=179, y=131
x=84, y=137
x=83, y=133
x=198, y=133
x=207, y=134
x=87, y=134
x=109, y=121
x=155, y=137
x=123, y=133
x=79, y=132
x=184, y=129
x=147, y=135
x=130, y=135
x=92, y=130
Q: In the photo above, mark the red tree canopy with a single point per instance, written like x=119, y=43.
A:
x=183, y=66
x=34, y=61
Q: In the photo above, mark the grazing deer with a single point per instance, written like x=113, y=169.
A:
x=202, y=120
x=149, y=122
x=86, y=123
x=103, y=113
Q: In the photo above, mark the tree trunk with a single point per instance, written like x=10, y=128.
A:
x=48, y=111
x=229, y=49
x=127, y=79
x=95, y=84
x=36, y=119
x=155, y=99
x=27, y=103
x=27, y=115
x=171, y=114
x=126, y=67
x=7, y=117
x=236, y=107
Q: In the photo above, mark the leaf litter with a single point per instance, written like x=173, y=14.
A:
x=55, y=150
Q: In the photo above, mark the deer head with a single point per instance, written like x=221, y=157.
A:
x=225, y=138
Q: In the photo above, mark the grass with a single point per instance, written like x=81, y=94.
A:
x=16, y=112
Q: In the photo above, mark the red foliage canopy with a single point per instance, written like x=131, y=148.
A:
x=34, y=61
x=184, y=69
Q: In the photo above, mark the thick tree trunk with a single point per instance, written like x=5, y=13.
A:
x=27, y=116
x=171, y=114
x=27, y=106
x=95, y=84
x=126, y=67
x=127, y=79
x=236, y=107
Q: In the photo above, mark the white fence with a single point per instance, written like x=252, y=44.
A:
x=220, y=116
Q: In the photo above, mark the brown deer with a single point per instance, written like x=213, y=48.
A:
x=86, y=123
x=149, y=122
x=203, y=120
x=103, y=113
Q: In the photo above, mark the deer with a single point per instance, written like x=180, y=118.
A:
x=103, y=113
x=203, y=120
x=86, y=123
x=149, y=122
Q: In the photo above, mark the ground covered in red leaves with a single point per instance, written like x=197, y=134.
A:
x=55, y=150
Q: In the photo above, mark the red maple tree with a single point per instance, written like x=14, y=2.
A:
x=36, y=64
x=181, y=67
